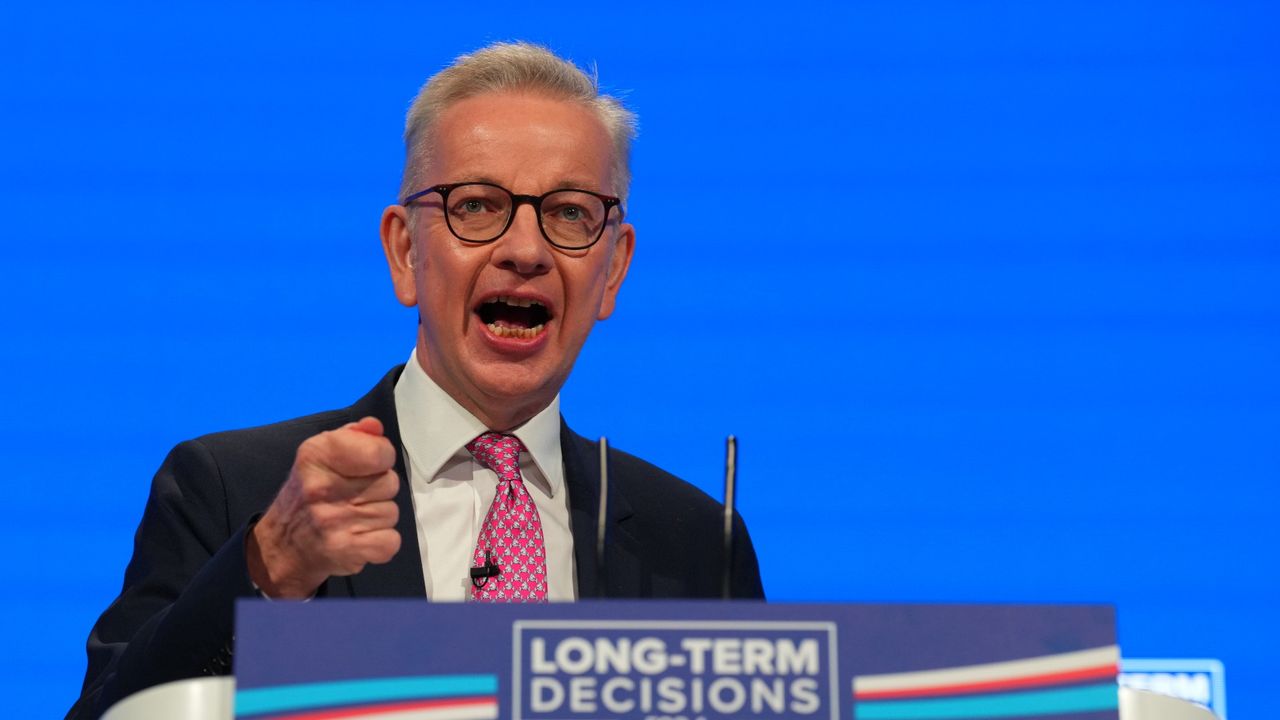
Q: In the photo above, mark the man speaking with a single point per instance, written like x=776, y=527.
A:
x=455, y=477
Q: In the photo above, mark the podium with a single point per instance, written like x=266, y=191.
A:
x=664, y=660
x=211, y=699
x=208, y=698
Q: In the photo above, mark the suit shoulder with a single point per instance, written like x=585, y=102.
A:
x=274, y=436
x=289, y=434
x=241, y=470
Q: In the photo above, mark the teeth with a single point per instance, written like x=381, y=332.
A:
x=516, y=302
x=511, y=332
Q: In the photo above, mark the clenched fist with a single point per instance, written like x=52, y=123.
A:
x=335, y=514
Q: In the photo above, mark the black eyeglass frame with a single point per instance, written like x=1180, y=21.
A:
x=610, y=202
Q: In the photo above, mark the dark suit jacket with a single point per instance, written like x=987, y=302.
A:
x=174, y=617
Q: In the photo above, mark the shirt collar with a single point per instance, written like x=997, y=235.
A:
x=434, y=427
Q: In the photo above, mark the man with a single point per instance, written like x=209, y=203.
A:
x=510, y=241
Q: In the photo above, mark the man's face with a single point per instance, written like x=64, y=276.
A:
x=530, y=145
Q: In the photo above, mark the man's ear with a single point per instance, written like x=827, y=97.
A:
x=623, y=247
x=397, y=244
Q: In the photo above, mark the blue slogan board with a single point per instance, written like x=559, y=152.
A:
x=404, y=659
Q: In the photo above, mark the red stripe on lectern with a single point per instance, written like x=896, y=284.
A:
x=382, y=709
x=1057, y=678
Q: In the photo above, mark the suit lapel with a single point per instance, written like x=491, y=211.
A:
x=622, y=569
x=402, y=576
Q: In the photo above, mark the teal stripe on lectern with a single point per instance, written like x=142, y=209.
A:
x=1042, y=702
x=349, y=692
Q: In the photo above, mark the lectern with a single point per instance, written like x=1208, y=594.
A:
x=411, y=660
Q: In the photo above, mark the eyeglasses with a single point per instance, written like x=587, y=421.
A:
x=480, y=212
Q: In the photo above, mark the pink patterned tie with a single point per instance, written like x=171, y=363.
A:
x=511, y=535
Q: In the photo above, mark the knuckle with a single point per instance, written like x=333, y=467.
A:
x=365, y=457
x=314, y=490
x=387, y=451
x=388, y=548
x=323, y=517
x=333, y=546
x=311, y=449
x=379, y=453
x=386, y=486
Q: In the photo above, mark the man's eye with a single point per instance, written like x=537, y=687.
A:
x=571, y=213
x=474, y=206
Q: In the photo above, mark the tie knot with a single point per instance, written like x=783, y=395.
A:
x=500, y=453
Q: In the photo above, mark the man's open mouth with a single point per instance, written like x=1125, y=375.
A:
x=513, y=317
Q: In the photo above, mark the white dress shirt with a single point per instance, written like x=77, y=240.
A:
x=452, y=491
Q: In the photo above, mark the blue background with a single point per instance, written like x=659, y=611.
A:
x=1022, y=278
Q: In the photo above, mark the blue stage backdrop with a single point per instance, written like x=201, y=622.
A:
x=1018, y=263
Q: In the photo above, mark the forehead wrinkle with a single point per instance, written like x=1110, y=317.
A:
x=478, y=148
x=569, y=170
x=569, y=183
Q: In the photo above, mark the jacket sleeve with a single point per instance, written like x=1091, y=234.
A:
x=174, y=617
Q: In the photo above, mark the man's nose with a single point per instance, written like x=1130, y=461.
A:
x=522, y=248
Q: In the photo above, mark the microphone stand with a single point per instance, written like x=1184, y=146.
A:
x=730, y=481
x=730, y=484
x=601, y=514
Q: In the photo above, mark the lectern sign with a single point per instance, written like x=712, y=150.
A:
x=643, y=669
x=411, y=660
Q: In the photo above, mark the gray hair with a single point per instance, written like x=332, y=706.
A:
x=517, y=66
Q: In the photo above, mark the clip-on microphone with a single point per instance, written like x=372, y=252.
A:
x=480, y=575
